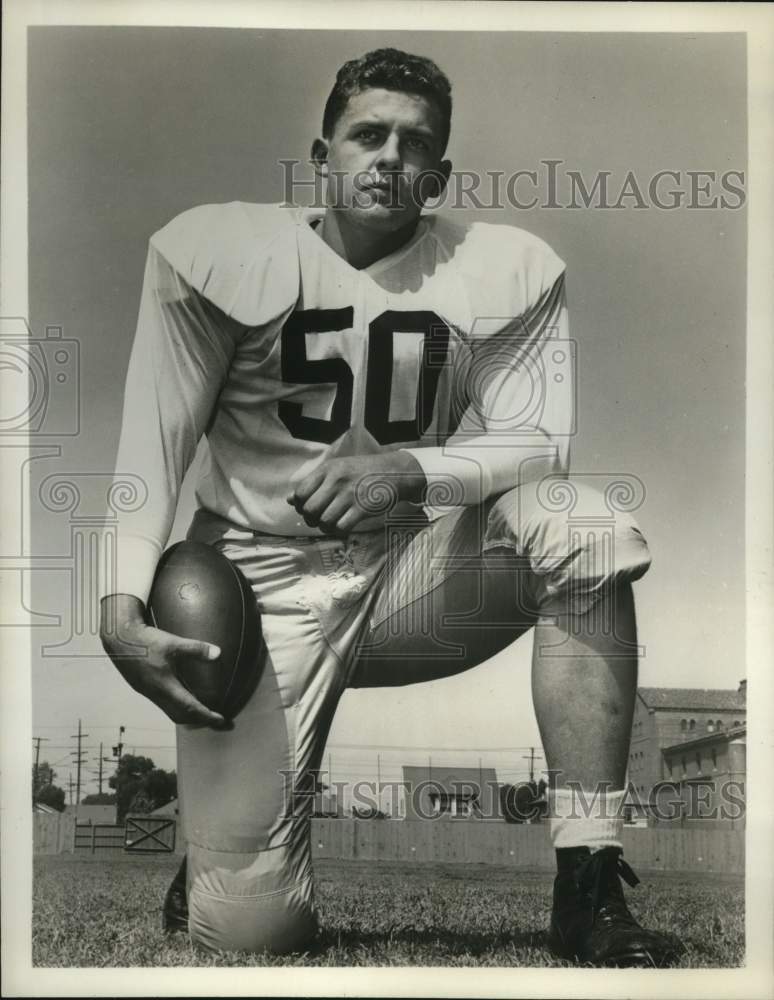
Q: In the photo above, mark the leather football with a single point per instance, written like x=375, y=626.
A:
x=198, y=593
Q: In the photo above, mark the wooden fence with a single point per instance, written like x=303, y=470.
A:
x=694, y=849
x=661, y=849
x=52, y=833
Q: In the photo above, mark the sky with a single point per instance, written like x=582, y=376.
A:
x=129, y=126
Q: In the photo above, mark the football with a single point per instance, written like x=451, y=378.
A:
x=198, y=593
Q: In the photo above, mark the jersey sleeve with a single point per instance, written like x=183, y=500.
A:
x=518, y=407
x=179, y=361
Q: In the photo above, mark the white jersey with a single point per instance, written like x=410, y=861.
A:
x=256, y=335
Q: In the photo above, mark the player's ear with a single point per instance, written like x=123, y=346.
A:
x=432, y=183
x=442, y=177
x=320, y=157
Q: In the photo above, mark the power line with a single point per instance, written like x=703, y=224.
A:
x=138, y=746
x=139, y=729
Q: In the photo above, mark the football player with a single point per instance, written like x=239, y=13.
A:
x=386, y=398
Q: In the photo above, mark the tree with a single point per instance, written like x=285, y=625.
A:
x=45, y=776
x=43, y=788
x=52, y=796
x=99, y=799
x=522, y=802
x=140, y=786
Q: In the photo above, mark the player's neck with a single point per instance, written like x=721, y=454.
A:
x=357, y=245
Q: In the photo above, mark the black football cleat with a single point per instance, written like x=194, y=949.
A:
x=174, y=916
x=591, y=922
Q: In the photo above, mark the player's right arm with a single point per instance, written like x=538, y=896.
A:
x=180, y=358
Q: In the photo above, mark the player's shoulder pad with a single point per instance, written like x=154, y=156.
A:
x=502, y=257
x=243, y=257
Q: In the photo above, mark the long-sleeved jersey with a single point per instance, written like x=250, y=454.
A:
x=255, y=334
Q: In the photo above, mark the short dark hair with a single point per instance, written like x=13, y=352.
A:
x=390, y=69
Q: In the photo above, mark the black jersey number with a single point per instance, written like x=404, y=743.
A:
x=298, y=368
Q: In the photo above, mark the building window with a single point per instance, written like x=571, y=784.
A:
x=710, y=726
x=719, y=724
x=737, y=722
x=669, y=765
x=698, y=762
x=683, y=725
x=714, y=760
x=684, y=764
x=692, y=724
x=446, y=804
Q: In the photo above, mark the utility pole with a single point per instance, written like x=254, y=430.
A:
x=118, y=749
x=37, y=740
x=101, y=758
x=531, y=760
x=78, y=754
x=379, y=780
x=70, y=786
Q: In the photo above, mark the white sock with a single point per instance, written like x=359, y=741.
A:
x=583, y=819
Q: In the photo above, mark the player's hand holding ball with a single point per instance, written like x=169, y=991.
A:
x=345, y=491
x=146, y=657
x=198, y=651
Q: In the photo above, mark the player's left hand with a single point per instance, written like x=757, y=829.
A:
x=345, y=491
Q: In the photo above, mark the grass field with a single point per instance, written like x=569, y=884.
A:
x=107, y=913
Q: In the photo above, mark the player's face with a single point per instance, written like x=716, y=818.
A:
x=383, y=160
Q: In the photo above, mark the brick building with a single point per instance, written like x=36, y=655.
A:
x=710, y=772
x=684, y=733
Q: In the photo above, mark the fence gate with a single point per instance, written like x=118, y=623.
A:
x=150, y=835
x=98, y=838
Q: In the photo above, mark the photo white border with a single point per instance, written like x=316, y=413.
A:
x=753, y=981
